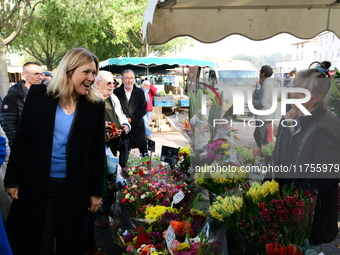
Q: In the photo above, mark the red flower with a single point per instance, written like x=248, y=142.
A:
x=275, y=249
x=143, y=238
x=292, y=250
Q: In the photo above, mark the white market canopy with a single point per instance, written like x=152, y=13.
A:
x=212, y=20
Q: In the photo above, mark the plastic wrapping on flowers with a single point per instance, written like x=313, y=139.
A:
x=187, y=225
x=256, y=215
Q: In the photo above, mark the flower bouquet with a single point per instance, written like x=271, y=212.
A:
x=220, y=182
x=150, y=186
x=249, y=155
x=184, y=159
x=256, y=215
x=267, y=151
x=218, y=150
x=186, y=222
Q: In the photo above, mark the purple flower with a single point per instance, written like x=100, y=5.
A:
x=166, y=202
x=217, y=157
x=128, y=237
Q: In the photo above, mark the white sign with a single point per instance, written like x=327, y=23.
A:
x=233, y=156
x=170, y=236
x=178, y=197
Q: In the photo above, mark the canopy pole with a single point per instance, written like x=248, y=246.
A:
x=147, y=54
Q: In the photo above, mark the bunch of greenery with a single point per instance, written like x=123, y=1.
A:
x=246, y=153
x=268, y=149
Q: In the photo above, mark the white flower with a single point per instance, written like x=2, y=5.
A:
x=143, y=196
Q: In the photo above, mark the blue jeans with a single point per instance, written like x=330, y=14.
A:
x=147, y=118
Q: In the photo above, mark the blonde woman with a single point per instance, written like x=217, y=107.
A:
x=56, y=169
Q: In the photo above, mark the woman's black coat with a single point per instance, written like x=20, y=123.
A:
x=29, y=168
x=135, y=109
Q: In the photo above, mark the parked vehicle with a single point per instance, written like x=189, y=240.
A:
x=240, y=73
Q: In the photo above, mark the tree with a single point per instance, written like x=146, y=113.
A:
x=110, y=29
x=14, y=17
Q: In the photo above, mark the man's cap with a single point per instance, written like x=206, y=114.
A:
x=48, y=74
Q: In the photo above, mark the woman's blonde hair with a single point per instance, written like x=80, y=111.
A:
x=316, y=80
x=61, y=85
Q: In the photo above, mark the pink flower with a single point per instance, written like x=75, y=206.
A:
x=129, y=249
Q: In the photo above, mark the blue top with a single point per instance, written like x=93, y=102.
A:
x=61, y=133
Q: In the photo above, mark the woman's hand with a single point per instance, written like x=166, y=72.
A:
x=291, y=114
x=13, y=192
x=94, y=204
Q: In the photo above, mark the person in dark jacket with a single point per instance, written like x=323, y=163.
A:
x=132, y=100
x=14, y=100
x=310, y=143
x=56, y=168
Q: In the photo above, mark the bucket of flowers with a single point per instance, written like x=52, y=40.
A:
x=187, y=223
x=256, y=215
x=250, y=155
x=220, y=182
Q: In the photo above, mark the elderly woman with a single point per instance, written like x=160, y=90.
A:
x=313, y=139
x=56, y=168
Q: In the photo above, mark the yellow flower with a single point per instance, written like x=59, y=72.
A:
x=183, y=247
x=197, y=212
x=155, y=212
x=224, y=145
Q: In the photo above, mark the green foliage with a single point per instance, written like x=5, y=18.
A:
x=246, y=153
x=215, y=113
x=108, y=28
x=268, y=149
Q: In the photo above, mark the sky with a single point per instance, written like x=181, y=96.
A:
x=236, y=44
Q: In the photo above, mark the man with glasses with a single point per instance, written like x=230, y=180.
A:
x=13, y=102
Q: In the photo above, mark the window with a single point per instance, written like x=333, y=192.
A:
x=297, y=46
x=332, y=56
x=301, y=55
x=326, y=39
x=326, y=55
x=320, y=56
x=320, y=40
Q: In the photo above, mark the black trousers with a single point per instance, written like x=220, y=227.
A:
x=261, y=133
x=54, y=217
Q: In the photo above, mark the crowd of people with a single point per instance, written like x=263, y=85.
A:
x=55, y=130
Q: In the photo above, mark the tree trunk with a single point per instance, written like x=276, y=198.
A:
x=4, y=81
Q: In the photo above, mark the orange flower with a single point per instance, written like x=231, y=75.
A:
x=187, y=228
x=177, y=226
